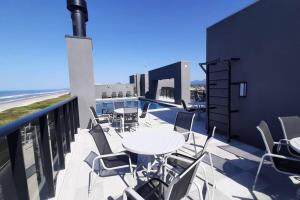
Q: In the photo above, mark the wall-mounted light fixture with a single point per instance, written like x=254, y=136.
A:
x=243, y=89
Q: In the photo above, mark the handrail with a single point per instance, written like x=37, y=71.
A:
x=16, y=124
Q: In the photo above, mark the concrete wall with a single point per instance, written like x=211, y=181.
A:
x=180, y=71
x=140, y=81
x=164, y=83
x=109, y=88
x=144, y=84
x=81, y=75
x=266, y=37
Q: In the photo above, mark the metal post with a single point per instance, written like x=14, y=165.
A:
x=71, y=114
x=14, y=141
x=67, y=127
x=58, y=132
x=47, y=155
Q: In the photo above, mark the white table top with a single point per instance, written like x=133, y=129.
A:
x=152, y=142
x=295, y=144
x=128, y=111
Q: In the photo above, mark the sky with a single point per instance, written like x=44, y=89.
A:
x=129, y=37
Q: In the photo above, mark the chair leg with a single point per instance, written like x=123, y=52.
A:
x=213, y=172
x=194, y=143
x=259, y=168
x=90, y=180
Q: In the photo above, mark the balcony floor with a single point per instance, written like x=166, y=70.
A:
x=235, y=167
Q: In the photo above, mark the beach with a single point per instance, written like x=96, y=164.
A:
x=25, y=102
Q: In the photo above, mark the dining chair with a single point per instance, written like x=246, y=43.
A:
x=175, y=162
x=104, y=95
x=103, y=119
x=109, y=161
x=188, y=109
x=131, y=118
x=178, y=188
x=117, y=118
x=184, y=124
x=282, y=161
x=145, y=115
x=291, y=129
x=113, y=95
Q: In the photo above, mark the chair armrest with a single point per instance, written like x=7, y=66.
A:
x=160, y=181
x=281, y=156
x=180, y=157
x=281, y=142
x=104, y=115
x=133, y=194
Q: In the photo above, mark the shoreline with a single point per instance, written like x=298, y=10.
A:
x=26, y=102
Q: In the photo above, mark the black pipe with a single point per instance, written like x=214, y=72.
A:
x=79, y=15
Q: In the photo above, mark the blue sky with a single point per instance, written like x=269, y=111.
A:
x=129, y=36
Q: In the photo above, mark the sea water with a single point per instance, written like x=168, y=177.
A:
x=16, y=95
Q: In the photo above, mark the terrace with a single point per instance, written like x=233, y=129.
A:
x=235, y=164
x=235, y=167
x=46, y=155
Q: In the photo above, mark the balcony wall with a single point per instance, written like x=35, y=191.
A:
x=265, y=36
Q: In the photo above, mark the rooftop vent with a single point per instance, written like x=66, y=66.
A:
x=79, y=15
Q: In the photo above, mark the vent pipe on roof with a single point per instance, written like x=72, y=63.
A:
x=79, y=15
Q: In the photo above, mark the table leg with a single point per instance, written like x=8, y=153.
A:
x=149, y=166
x=123, y=128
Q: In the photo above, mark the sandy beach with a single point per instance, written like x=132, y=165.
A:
x=29, y=101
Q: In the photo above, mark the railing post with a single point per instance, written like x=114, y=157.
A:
x=47, y=155
x=14, y=141
x=76, y=113
x=67, y=127
x=58, y=132
x=71, y=114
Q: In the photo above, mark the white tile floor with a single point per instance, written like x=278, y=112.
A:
x=234, y=175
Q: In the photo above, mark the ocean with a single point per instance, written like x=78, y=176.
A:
x=17, y=95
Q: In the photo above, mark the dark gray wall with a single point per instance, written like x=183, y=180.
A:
x=180, y=71
x=266, y=37
x=136, y=81
x=144, y=84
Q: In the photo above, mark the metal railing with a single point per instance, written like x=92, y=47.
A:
x=33, y=149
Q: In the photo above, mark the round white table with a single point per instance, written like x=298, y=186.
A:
x=295, y=144
x=122, y=111
x=152, y=142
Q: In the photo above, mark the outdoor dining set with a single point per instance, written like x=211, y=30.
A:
x=284, y=154
x=150, y=155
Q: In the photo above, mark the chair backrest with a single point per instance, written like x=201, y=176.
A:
x=183, y=104
x=197, y=98
x=290, y=126
x=119, y=104
x=145, y=109
x=104, y=95
x=120, y=94
x=207, y=141
x=266, y=135
x=180, y=185
x=100, y=140
x=184, y=122
x=128, y=94
x=94, y=114
x=131, y=115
